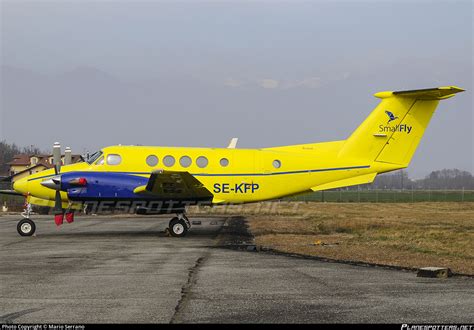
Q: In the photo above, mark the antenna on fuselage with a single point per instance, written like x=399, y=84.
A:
x=233, y=143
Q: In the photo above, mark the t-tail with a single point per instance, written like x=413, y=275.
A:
x=390, y=135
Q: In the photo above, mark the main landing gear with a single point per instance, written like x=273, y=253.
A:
x=179, y=226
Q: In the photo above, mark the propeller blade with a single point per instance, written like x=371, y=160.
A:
x=58, y=204
x=67, y=156
x=57, y=157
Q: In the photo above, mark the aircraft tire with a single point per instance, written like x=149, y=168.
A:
x=26, y=227
x=178, y=228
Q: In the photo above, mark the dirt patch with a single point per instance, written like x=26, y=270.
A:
x=407, y=234
x=235, y=234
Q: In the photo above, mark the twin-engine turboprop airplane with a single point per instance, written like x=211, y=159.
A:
x=167, y=180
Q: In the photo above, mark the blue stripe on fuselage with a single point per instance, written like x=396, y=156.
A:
x=231, y=174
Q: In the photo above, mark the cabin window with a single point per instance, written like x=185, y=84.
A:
x=185, y=161
x=202, y=161
x=152, y=160
x=168, y=161
x=276, y=163
x=224, y=162
x=114, y=159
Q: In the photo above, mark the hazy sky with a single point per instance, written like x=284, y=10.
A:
x=91, y=74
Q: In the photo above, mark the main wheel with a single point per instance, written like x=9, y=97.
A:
x=178, y=227
x=26, y=227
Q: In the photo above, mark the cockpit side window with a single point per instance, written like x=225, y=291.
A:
x=114, y=159
x=100, y=161
x=92, y=158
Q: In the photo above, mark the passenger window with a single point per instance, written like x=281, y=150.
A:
x=168, y=161
x=276, y=163
x=224, y=162
x=185, y=161
x=202, y=161
x=114, y=159
x=152, y=160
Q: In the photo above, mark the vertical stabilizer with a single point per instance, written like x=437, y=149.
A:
x=392, y=132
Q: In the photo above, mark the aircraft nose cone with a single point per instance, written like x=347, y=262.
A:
x=21, y=186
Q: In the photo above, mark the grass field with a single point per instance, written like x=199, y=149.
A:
x=387, y=196
x=399, y=234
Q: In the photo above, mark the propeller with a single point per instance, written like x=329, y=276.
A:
x=67, y=156
x=57, y=157
x=55, y=182
x=58, y=204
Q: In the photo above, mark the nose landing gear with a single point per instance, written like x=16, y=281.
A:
x=26, y=226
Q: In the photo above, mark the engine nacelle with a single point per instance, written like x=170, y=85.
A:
x=101, y=186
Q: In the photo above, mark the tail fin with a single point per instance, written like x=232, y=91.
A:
x=391, y=133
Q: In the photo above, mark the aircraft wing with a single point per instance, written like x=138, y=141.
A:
x=5, y=178
x=49, y=203
x=10, y=192
x=175, y=185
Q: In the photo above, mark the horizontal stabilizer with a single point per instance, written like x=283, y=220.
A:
x=361, y=179
x=439, y=93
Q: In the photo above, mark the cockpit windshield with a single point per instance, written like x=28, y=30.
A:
x=92, y=158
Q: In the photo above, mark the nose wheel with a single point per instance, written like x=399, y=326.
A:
x=26, y=227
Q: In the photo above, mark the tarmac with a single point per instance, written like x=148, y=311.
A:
x=126, y=270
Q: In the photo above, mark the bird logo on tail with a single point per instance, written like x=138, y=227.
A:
x=391, y=116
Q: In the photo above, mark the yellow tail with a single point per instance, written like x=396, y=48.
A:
x=392, y=132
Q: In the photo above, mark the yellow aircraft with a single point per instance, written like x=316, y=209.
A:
x=168, y=179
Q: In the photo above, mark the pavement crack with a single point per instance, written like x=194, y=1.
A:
x=187, y=287
x=8, y=318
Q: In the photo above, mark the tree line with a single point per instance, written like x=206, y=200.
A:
x=450, y=179
x=9, y=150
